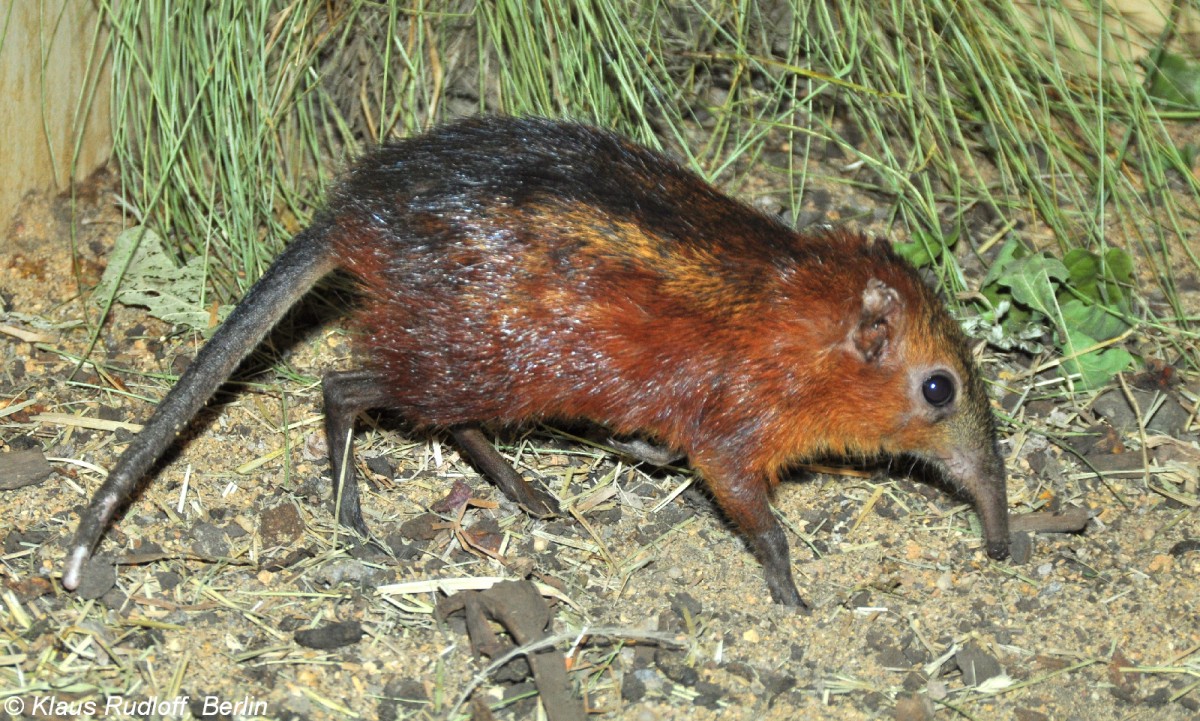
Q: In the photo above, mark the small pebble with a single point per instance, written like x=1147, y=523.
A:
x=330, y=636
x=1161, y=563
x=98, y=577
x=977, y=664
x=1020, y=547
x=280, y=525
x=1183, y=547
x=936, y=689
x=913, y=708
x=649, y=678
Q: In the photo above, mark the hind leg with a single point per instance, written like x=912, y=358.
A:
x=348, y=393
x=493, y=465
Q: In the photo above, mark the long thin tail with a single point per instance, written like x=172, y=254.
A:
x=306, y=260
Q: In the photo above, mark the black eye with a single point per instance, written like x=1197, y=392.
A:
x=938, y=389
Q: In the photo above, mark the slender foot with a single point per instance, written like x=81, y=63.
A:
x=348, y=393
x=493, y=465
x=771, y=549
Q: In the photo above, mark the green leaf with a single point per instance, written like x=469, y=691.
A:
x=925, y=248
x=1118, y=265
x=1101, y=278
x=1008, y=253
x=1083, y=267
x=153, y=281
x=1016, y=317
x=1091, y=319
x=1032, y=280
x=919, y=253
x=1097, y=367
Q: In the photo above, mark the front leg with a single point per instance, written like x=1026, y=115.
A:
x=743, y=497
x=348, y=393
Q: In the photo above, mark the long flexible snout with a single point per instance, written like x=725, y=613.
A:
x=981, y=473
x=994, y=515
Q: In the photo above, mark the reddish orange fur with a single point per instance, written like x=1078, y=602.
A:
x=587, y=277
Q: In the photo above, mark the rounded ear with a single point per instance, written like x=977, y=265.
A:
x=881, y=306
